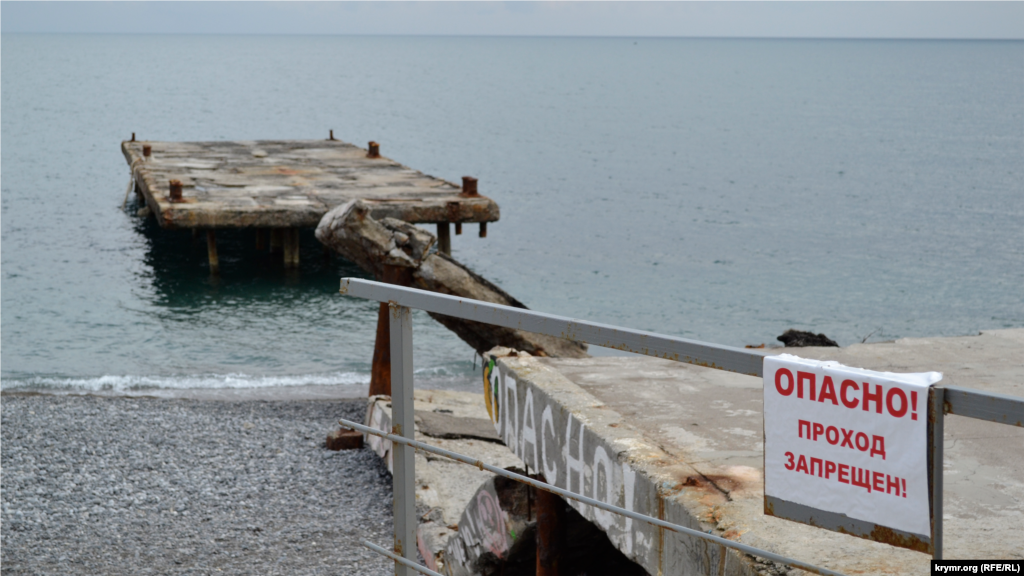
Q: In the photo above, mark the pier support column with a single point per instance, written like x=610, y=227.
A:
x=380, y=372
x=291, y=247
x=275, y=240
x=211, y=251
x=444, y=238
x=550, y=532
x=261, y=239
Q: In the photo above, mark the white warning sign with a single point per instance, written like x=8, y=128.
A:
x=848, y=441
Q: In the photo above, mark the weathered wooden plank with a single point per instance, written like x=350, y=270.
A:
x=289, y=184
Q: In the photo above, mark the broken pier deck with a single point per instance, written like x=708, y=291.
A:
x=281, y=186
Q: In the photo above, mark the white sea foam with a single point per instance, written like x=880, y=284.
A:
x=129, y=383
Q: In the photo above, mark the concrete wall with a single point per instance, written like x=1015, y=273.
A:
x=578, y=444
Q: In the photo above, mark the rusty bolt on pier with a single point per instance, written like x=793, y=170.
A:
x=469, y=186
x=175, y=191
x=147, y=150
x=374, y=150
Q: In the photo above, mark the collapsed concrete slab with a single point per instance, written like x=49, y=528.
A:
x=684, y=443
x=473, y=523
x=354, y=231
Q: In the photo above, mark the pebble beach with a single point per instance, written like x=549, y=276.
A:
x=130, y=485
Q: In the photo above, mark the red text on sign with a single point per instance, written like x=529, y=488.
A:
x=850, y=438
x=850, y=393
x=862, y=477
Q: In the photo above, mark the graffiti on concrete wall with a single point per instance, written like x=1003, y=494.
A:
x=487, y=531
x=549, y=439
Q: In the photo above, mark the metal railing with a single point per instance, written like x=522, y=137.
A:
x=948, y=400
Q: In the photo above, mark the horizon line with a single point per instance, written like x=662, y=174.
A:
x=456, y=35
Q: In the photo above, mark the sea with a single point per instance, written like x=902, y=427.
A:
x=724, y=190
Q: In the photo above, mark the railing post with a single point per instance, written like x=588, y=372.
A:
x=403, y=463
x=936, y=415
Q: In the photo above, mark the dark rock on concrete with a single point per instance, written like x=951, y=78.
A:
x=800, y=339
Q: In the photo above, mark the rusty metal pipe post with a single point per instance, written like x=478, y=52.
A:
x=469, y=186
x=133, y=136
x=175, y=190
x=550, y=532
x=331, y=137
x=147, y=150
x=380, y=371
x=374, y=150
x=458, y=228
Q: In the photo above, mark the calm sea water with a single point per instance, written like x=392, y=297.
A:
x=724, y=190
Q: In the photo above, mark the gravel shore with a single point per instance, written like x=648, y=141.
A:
x=95, y=485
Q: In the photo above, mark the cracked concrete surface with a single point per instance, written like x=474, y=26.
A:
x=710, y=421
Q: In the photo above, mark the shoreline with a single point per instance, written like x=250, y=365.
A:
x=313, y=392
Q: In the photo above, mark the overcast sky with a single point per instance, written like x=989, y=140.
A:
x=985, y=20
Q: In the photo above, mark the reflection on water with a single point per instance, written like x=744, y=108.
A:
x=181, y=278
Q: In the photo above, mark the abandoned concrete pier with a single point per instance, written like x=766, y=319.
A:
x=364, y=206
x=278, y=187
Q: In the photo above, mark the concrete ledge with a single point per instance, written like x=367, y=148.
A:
x=684, y=443
x=445, y=489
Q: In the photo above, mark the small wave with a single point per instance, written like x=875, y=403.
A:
x=110, y=383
